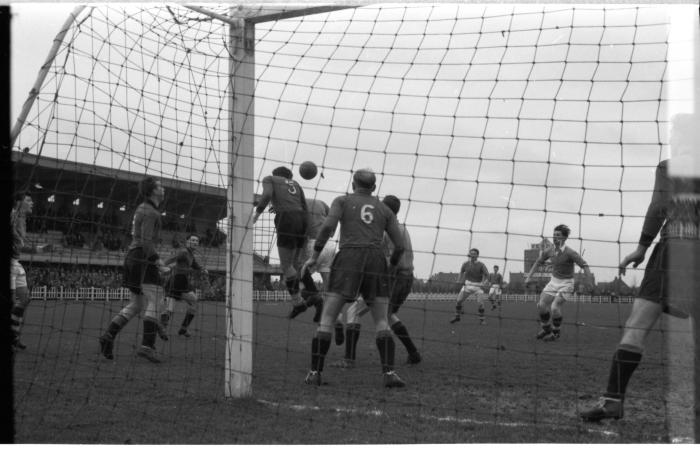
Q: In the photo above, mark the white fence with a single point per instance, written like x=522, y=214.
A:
x=94, y=294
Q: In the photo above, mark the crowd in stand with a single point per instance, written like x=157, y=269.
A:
x=84, y=276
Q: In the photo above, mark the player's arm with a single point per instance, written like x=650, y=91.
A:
x=148, y=231
x=584, y=266
x=653, y=220
x=265, y=198
x=543, y=256
x=484, y=275
x=396, y=237
x=462, y=275
x=304, y=205
x=326, y=231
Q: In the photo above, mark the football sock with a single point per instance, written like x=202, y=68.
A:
x=386, y=347
x=352, y=335
x=459, y=309
x=319, y=348
x=481, y=312
x=556, y=323
x=165, y=319
x=544, y=320
x=118, y=322
x=187, y=320
x=150, y=329
x=309, y=285
x=292, y=285
x=17, y=318
x=402, y=334
x=623, y=365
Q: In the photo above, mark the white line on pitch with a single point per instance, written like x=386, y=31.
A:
x=450, y=419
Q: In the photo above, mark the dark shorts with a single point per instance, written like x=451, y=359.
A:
x=177, y=284
x=138, y=271
x=291, y=229
x=400, y=289
x=359, y=271
x=672, y=275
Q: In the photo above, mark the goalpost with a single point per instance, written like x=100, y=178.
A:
x=492, y=123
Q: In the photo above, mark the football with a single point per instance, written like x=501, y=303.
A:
x=308, y=170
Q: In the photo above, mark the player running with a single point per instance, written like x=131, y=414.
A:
x=179, y=285
x=496, y=282
x=473, y=276
x=143, y=270
x=560, y=286
x=19, y=289
x=359, y=268
x=291, y=221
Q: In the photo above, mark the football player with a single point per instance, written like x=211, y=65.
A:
x=561, y=284
x=473, y=276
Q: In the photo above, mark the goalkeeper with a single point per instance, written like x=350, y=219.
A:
x=179, y=287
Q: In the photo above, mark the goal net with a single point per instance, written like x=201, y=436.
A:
x=491, y=123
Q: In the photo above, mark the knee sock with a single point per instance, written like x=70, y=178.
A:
x=116, y=325
x=309, y=285
x=352, y=335
x=556, y=323
x=17, y=318
x=319, y=348
x=187, y=320
x=402, y=334
x=165, y=318
x=292, y=285
x=624, y=363
x=386, y=347
x=150, y=329
x=481, y=312
x=544, y=320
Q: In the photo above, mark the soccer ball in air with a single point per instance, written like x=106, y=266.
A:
x=308, y=170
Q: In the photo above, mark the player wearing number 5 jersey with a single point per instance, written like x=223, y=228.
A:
x=359, y=269
x=291, y=221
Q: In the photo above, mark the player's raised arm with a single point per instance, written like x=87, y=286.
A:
x=394, y=232
x=265, y=197
x=543, y=256
x=654, y=218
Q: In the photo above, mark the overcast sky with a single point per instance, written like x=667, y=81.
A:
x=491, y=123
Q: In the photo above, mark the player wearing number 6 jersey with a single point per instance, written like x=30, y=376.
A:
x=359, y=268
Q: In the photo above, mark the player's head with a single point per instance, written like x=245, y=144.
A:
x=192, y=241
x=393, y=203
x=23, y=202
x=495, y=268
x=282, y=171
x=365, y=179
x=151, y=188
x=473, y=254
x=561, y=233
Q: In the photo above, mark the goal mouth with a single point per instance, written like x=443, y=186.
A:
x=490, y=125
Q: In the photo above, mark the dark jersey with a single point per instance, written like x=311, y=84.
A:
x=284, y=194
x=474, y=272
x=674, y=207
x=364, y=219
x=318, y=210
x=496, y=279
x=185, y=262
x=562, y=261
x=145, y=230
x=19, y=232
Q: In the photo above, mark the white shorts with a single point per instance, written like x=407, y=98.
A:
x=471, y=288
x=325, y=258
x=18, y=278
x=559, y=287
x=495, y=290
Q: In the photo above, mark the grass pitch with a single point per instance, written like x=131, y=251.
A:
x=477, y=384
